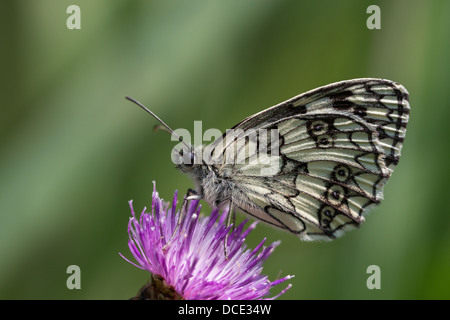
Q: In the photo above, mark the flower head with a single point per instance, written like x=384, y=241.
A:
x=188, y=261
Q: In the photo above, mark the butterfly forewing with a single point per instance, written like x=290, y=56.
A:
x=337, y=146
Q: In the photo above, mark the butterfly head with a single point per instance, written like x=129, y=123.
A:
x=188, y=159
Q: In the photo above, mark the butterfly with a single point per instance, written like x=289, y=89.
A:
x=337, y=145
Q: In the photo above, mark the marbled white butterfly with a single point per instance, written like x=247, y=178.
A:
x=337, y=146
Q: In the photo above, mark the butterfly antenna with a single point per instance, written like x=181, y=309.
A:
x=157, y=118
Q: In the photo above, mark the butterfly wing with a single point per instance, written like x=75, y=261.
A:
x=337, y=147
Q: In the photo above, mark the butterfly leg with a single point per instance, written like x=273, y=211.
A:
x=190, y=195
x=231, y=219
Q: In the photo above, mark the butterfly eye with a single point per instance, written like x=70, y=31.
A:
x=188, y=159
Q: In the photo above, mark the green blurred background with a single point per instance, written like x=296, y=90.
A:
x=73, y=151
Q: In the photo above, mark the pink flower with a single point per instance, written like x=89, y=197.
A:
x=189, y=262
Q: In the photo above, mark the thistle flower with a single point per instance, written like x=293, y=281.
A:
x=188, y=261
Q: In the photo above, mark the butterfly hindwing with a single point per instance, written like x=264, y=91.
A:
x=337, y=147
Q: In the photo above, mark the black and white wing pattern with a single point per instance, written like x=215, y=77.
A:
x=337, y=146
